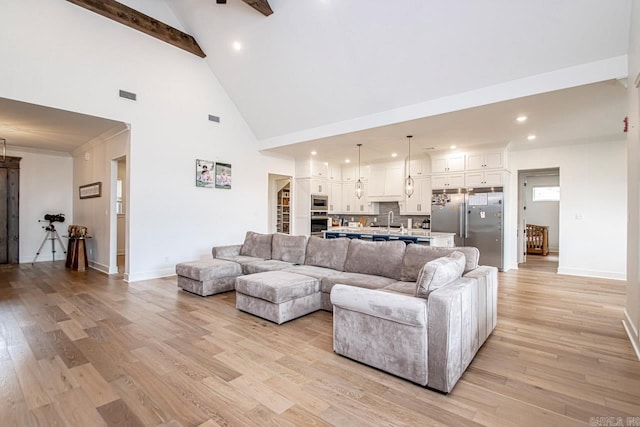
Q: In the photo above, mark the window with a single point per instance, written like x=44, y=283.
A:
x=546, y=194
x=119, y=207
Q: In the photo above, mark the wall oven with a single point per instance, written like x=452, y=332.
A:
x=319, y=222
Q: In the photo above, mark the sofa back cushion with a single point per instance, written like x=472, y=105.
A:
x=375, y=258
x=288, y=248
x=327, y=253
x=257, y=245
x=439, y=272
x=416, y=256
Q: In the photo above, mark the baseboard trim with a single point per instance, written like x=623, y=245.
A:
x=102, y=268
x=593, y=273
x=632, y=332
x=154, y=274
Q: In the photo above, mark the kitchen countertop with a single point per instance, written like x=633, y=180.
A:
x=421, y=234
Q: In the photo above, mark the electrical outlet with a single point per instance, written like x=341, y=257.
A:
x=579, y=216
x=90, y=251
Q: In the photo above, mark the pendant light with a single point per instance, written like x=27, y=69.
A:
x=409, y=186
x=359, y=184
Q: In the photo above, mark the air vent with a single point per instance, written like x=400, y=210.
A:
x=214, y=118
x=128, y=95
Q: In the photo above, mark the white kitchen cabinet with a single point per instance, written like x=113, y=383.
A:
x=335, y=197
x=335, y=173
x=320, y=186
x=418, y=167
x=447, y=181
x=348, y=197
x=311, y=169
x=386, y=181
x=448, y=163
x=350, y=174
x=420, y=201
x=491, y=159
x=484, y=179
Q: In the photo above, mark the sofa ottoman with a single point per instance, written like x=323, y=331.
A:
x=278, y=296
x=208, y=277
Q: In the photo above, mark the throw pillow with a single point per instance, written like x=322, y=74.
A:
x=257, y=245
x=439, y=272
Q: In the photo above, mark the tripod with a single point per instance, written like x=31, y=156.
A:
x=51, y=234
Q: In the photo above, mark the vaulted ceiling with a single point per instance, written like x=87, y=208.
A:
x=319, y=62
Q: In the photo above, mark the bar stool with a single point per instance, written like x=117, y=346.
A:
x=408, y=239
x=331, y=235
x=380, y=237
x=353, y=236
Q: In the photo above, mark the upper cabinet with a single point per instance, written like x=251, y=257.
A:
x=418, y=167
x=350, y=174
x=448, y=163
x=335, y=173
x=490, y=159
x=312, y=169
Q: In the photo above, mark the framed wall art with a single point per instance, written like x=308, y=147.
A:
x=204, y=173
x=90, y=190
x=223, y=176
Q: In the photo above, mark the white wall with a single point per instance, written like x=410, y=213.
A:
x=632, y=312
x=79, y=66
x=45, y=188
x=544, y=212
x=594, y=188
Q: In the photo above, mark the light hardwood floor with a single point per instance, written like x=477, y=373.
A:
x=81, y=349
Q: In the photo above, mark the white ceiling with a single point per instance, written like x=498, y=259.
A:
x=26, y=125
x=590, y=113
x=318, y=62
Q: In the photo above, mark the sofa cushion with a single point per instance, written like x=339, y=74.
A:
x=328, y=253
x=354, y=279
x=241, y=259
x=416, y=256
x=312, y=271
x=288, y=248
x=266, y=265
x=209, y=269
x=257, y=245
x=439, y=272
x=375, y=258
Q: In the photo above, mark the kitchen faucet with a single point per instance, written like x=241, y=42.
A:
x=389, y=221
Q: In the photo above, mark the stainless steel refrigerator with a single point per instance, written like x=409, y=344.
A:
x=476, y=218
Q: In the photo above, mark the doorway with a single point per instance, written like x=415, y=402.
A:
x=539, y=219
x=280, y=204
x=119, y=203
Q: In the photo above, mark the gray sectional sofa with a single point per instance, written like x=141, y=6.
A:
x=415, y=311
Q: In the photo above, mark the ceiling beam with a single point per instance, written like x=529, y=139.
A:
x=261, y=6
x=139, y=21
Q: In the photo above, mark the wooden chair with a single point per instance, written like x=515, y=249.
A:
x=537, y=239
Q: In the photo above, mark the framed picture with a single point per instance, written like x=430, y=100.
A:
x=90, y=190
x=223, y=175
x=204, y=173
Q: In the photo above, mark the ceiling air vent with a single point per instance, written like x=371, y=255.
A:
x=214, y=118
x=128, y=95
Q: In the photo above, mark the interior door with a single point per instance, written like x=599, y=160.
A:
x=4, y=223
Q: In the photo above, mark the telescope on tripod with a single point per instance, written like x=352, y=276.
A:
x=51, y=234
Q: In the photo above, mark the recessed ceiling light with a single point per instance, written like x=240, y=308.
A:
x=521, y=119
x=531, y=137
x=394, y=154
x=313, y=153
x=453, y=147
x=237, y=45
x=347, y=161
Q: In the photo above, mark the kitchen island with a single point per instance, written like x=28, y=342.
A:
x=425, y=237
